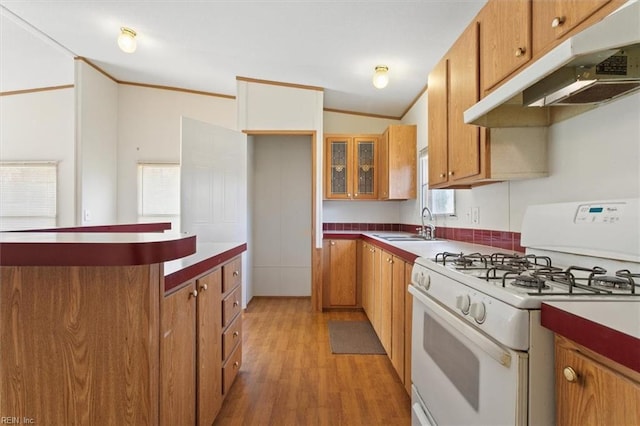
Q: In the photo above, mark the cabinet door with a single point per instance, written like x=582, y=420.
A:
x=399, y=166
x=177, y=357
x=338, y=168
x=376, y=303
x=342, y=274
x=505, y=34
x=366, y=277
x=398, y=332
x=464, y=139
x=209, y=347
x=553, y=19
x=438, y=105
x=597, y=396
x=383, y=177
x=386, y=278
x=365, y=154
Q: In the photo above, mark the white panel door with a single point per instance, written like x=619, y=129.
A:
x=213, y=199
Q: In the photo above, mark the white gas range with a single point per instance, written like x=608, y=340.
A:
x=480, y=355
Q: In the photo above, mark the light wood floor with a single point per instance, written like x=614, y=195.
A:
x=290, y=377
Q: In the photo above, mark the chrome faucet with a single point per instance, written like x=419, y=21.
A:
x=431, y=235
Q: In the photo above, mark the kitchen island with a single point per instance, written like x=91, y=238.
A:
x=80, y=323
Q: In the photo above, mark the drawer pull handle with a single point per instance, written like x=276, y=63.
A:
x=236, y=364
x=194, y=293
x=235, y=334
x=558, y=21
x=570, y=374
x=203, y=287
x=236, y=273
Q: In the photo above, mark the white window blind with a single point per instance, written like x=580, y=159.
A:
x=28, y=195
x=159, y=193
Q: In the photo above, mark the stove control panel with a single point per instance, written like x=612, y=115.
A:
x=599, y=213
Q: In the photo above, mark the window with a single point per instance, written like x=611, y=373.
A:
x=159, y=193
x=439, y=201
x=28, y=195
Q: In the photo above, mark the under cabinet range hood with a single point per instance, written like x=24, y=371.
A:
x=597, y=65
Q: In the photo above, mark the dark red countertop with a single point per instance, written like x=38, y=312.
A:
x=610, y=328
x=92, y=248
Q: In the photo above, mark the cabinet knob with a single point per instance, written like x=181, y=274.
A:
x=520, y=51
x=236, y=273
x=194, y=293
x=570, y=374
x=558, y=21
x=235, y=334
x=349, y=194
x=333, y=243
x=236, y=364
x=203, y=287
x=450, y=173
x=356, y=194
x=235, y=303
x=442, y=175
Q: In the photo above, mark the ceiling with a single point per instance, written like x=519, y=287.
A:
x=205, y=45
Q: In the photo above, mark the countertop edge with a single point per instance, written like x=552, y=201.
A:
x=192, y=271
x=96, y=253
x=615, y=345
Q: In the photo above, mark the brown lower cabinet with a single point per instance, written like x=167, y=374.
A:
x=592, y=390
x=200, y=347
x=384, y=278
x=339, y=274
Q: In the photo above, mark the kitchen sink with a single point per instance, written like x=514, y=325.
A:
x=400, y=238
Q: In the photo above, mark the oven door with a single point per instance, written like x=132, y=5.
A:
x=462, y=376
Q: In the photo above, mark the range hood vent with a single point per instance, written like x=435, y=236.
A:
x=596, y=66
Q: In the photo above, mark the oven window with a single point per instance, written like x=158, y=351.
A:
x=456, y=361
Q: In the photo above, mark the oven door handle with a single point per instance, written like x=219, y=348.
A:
x=488, y=346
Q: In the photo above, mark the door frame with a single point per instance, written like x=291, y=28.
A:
x=316, y=253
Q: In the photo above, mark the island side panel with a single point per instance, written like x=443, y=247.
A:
x=80, y=345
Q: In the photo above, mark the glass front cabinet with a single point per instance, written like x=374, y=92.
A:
x=351, y=167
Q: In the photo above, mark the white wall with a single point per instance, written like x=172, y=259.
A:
x=282, y=108
x=149, y=131
x=358, y=211
x=281, y=215
x=40, y=126
x=96, y=112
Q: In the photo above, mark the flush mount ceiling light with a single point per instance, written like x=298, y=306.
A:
x=380, y=76
x=127, y=40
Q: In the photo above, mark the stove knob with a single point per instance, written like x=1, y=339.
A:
x=478, y=312
x=463, y=302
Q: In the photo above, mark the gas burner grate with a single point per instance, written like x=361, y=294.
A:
x=529, y=281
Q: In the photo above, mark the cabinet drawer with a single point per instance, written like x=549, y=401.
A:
x=231, y=307
x=231, y=337
x=230, y=369
x=231, y=274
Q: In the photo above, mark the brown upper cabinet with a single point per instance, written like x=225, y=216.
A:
x=505, y=39
x=553, y=19
x=371, y=167
x=351, y=171
x=456, y=150
x=398, y=154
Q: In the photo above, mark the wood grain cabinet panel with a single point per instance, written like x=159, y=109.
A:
x=590, y=393
x=232, y=274
x=231, y=306
x=340, y=284
x=554, y=19
x=398, y=154
x=505, y=39
x=232, y=337
x=408, y=319
x=230, y=369
x=438, y=124
x=398, y=325
x=178, y=357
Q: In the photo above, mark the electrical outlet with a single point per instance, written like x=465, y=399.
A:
x=475, y=215
x=87, y=215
